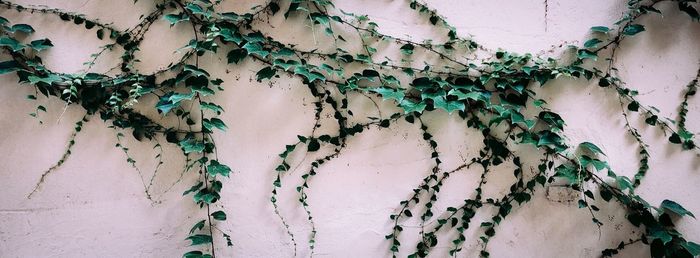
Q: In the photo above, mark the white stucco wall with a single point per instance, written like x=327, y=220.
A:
x=94, y=206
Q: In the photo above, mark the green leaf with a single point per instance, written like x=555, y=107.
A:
x=175, y=18
x=13, y=44
x=197, y=9
x=197, y=226
x=570, y=173
x=661, y=235
x=690, y=10
x=633, y=106
x=256, y=48
x=675, y=208
x=190, y=145
x=196, y=254
x=215, y=168
x=265, y=73
x=591, y=147
x=199, y=239
x=211, y=106
x=633, y=29
x=41, y=44
x=675, y=138
x=591, y=43
x=194, y=188
x=9, y=66
x=587, y=54
x=51, y=78
x=214, y=123
x=602, y=29
x=236, y=55
x=407, y=49
x=314, y=145
x=606, y=194
x=624, y=183
x=274, y=8
x=389, y=93
x=449, y=106
x=21, y=27
x=196, y=71
x=219, y=215
x=548, y=138
x=692, y=248
x=310, y=76
x=410, y=106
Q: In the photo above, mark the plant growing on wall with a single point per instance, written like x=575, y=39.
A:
x=490, y=90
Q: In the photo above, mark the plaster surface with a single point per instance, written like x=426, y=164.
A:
x=94, y=205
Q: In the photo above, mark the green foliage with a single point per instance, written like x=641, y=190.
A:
x=494, y=96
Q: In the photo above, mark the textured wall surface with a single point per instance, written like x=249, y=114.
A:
x=94, y=205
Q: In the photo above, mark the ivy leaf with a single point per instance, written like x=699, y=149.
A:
x=21, y=27
x=219, y=215
x=274, y=8
x=407, y=49
x=688, y=9
x=633, y=29
x=449, y=106
x=587, y=54
x=591, y=43
x=265, y=73
x=662, y=235
x=633, y=106
x=606, y=194
x=41, y=44
x=389, y=93
x=197, y=9
x=211, y=106
x=190, y=145
x=197, y=226
x=13, y=44
x=591, y=147
x=193, y=189
x=172, y=100
x=214, y=123
x=236, y=55
x=692, y=248
x=624, y=183
x=175, y=18
x=215, y=168
x=602, y=29
x=310, y=76
x=9, y=66
x=409, y=106
x=314, y=145
x=256, y=48
x=199, y=239
x=551, y=139
x=196, y=254
x=675, y=138
x=196, y=71
x=567, y=172
x=675, y=208
x=48, y=79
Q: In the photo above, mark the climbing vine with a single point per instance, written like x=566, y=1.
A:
x=492, y=91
